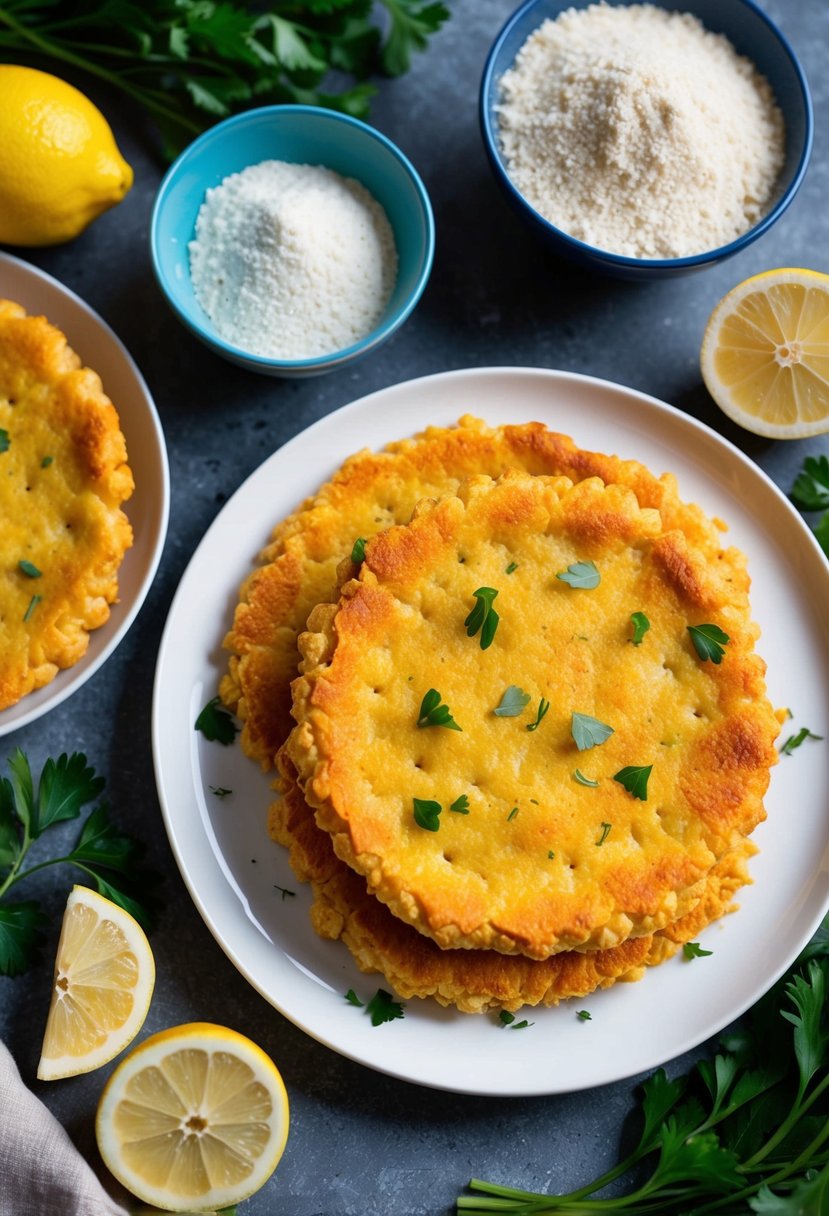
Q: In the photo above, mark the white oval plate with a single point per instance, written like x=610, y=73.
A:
x=234, y=871
x=149, y=506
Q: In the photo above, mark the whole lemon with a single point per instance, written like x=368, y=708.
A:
x=59, y=163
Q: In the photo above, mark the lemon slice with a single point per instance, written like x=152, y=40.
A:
x=765, y=354
x=104, y=977
x=193, y=1119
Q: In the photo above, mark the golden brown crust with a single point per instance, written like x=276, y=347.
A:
x=522, y=872
x=64, y=479
x=371, y=491
x=472, y=980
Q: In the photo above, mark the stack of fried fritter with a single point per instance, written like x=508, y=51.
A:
x=519, y=766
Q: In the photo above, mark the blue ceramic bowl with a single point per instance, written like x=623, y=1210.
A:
x=298, y=134
x=753, y=35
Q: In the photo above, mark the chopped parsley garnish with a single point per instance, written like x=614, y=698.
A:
x=46, y=461
x=381, y=1008
x=579, y=776
x=353, y=999
x=589, y=732
x=505, y=1018
x=427, y=814
x=433, y=713
x=5, y=442
x=794, y=741
x=605, y=833
x=220, y=791
x=584, y=1016
x=695, y=950
x=215, y=723
x=286, y=892
x=512, y=814
x=512, y=703
x=461, y=805
x=634, y=777
x=551, y=855
x=511, y=568
x=483, y=616
x=358, y=551
x=33, y=603
x=29, y=569
x=583, y=575
x=709, y=641
x=543, y=706
x=641, y=625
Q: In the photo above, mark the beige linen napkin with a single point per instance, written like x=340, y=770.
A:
x=41, y=1171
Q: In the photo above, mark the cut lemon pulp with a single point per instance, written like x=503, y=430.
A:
x=193, y=1119
x=765, y=354
x=104, y=977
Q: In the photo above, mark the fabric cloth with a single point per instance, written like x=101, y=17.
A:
x=41, y=1171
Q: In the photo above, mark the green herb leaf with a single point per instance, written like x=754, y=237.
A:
x=512, y=703
x=634, y=777
x=427, y=814
x=29, y=569
x=20, y=936
x=102, y=844
x=551, y=855
x=511, y=568
x=46, y=461
x=512, y=814
x=220, y=791
x=353, y=999
x=579, y=776
x=505, y=1018
x=589, y=732
x=821, y=531
x=434, y=713
x=605, y=833
x=286, y=892
x=794, y=741
x=584, y=1016
x=358, y=551
x=382, y=1008
x=461, y=805
x=412, y=21
x=483, y=616
x=21, y=791
x=66, y=785
x=543, y=706
x=582, y=575
x=216, y=724
x=5, y=442
x=33, y=603
x=709, y=641
x=810, y=491
x=641, y=625
x=811, y=1037
x=695, y=950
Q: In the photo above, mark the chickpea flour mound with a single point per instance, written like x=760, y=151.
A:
x=638, y=131
x=292, y=261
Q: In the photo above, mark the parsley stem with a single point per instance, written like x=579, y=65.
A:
x=14, y=874
x=13, y=877
x=799, y=1108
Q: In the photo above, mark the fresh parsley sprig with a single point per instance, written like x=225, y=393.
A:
x=215, y=723
x=794, y=741
x=381, y=1008
x=107, y=856
x=810, y=492
x=745, y=1132
x=709, y=642
x=434, y=713
x=483, y=617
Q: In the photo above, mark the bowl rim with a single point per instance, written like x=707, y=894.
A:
x=238, y=354
x=595, y=253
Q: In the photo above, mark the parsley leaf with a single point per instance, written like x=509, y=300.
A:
x=821, y=531
x=582, y=575
x=33, y=603
x=589, y=732
x=794, y=741
x=29, y=569
x=512, y=703
x=584, y=1016
x=220, y=791
x=505, y=1018
x=641, y=625
x=483, y=616
x=286, y=892
x=412, y=21
x=353, y=999
x=605, y=833
x=634, y=777
x=461, y=805
x=511, y=568
x=46, y=461
x=695, y=950
x=215, y=723
x=543, y=706
x=512, y=815
x=433, y=713
x=358, y=551
x=709, y=641
x=5, y=442
x=810, y=491
x=382, y=1008
x=66, y=785
x=579, y=776
x=20, y=935
x=427, y=814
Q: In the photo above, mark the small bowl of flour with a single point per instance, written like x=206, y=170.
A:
x=292, y=240
x=646, y=139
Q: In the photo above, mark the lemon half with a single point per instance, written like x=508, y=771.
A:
x=104, y=978
x=765, y=354
x=193, y=1119
x=59, y=164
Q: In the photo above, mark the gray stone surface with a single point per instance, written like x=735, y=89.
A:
x=362, y=1144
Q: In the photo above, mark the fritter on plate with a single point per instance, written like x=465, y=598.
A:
x=540, y=862
x=63, y=478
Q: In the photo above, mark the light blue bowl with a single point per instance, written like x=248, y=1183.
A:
x=300, y=135
x=752, y=34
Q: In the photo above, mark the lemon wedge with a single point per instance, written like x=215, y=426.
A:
x=104, y=978
x=193, y=1119
x=765, y=354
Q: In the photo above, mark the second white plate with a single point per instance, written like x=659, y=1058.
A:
x=238, y=877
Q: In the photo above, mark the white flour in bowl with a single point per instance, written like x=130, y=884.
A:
x=640, y=132
x=292, y=261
